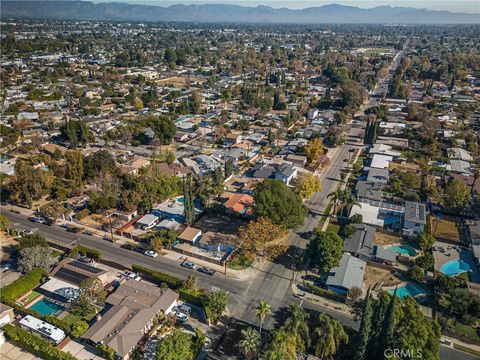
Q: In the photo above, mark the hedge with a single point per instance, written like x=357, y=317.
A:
x=91, y=253
x=158, y=277
x=329, y=294
x=34, y=344
x=22, y=285
x=193, y=297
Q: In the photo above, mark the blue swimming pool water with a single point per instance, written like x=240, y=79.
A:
x=403, y=249
x=181, y=199
x=454, y=267
x=409, y=289
x=45, y=307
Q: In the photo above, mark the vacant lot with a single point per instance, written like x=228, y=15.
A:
x=386, y=239
x=374, y=276
x=220, y=224
x=446, y=229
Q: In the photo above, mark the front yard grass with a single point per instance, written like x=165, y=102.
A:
x=462, y=329
x=333, y=228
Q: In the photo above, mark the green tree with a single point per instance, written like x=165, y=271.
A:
x=250, y=342
x=261, y=311
x=34, y=257
x=53, y=210
x=276, y=201
x=387, y=334
x=282, y=345
x=314, y=149
x=74, y=167
x=4, y=223
x=329, y=335
x=457, y=195
x=31, y=240
x=425, y=241
x=188, y=206
x=325, y=250
x=105, y=351
x=417, y=273
x=229, y=168
x=365, y=328
x=76, y=132
x=91, y=297
x=163, y=127
x=176, y=346
x=217, y=303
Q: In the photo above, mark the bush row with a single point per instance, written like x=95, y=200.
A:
x=35, y=344
x=329, y=294
x=158, y=277
x=86, y=251
x=21, y=286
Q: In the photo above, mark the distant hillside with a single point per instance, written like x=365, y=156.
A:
x=84, y=10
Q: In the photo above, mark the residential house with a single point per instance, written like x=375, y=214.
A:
x=6, y=314
x=190, y=235
x=415, y=218
x=361, y=243
x=239, y=204
x=147, y=221
x=134, y=307
x=348, y=274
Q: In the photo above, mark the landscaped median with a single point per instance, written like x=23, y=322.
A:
x=213, y=303
x=34, y=344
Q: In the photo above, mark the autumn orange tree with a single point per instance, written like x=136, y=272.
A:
x=263, y=237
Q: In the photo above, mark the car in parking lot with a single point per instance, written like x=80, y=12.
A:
x=151, y=253
x=206, y=270
x=188, y=265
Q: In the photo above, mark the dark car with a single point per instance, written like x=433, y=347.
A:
x=131, y=247
x=74, y=229
x=206, y=270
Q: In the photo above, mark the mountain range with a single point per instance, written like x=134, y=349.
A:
x=225, y=13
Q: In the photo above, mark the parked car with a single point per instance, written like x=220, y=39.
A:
x=181, y=317
x=133, y=276
x=188, y=264
x=184, y=309
x=88, y=232
x=74, y=229
x=151, y=253
x=38, y=220
x=206, y=270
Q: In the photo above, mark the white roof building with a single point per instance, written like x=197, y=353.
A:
x=381, y=161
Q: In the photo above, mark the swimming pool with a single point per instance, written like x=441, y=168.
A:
x=181, y=199
x=45, y=307
x=410, y=289
x=403, y=249
x=454, y=267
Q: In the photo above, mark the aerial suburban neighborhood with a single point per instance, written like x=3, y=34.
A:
x=226, y=190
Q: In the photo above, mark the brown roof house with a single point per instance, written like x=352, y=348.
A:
x=134, y=307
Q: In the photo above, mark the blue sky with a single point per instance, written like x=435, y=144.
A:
x=467, y=6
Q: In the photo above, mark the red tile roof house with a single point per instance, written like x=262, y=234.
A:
x=240, y=204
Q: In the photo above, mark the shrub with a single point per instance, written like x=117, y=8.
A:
x=158, y=277
x=79, y=328
x=105, y=351
x=329, y=294
x=82, y=214
x=21, y=286
x=192, y=296
x=86, y=251
x=34, y=344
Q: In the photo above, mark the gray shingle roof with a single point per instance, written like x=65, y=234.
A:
x=348, y=274
x=415, y=212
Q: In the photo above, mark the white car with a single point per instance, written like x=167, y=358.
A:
x=133, y=276
x=181, y=317
x=151, y=253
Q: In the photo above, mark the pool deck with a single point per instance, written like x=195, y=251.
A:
x=452, y=252
x=418, y=297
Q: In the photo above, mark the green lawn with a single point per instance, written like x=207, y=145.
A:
x=33, y=295
x=239, y=263
x=463, y=329
x=71, y=319
x=333, y=228
x=56, y=253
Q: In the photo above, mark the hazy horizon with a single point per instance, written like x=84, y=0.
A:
x=463, y=6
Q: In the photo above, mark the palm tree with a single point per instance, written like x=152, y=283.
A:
x=297, y=324
x=335, y=196
x=261, y=310
x=348, y=200
x=476, y=175
x=250, y=342
x=282, y=346
x=329, y=335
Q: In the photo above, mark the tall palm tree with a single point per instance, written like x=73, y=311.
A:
x=335, y=196
x=282, y=346
x=348, y=200
x=250, y=343
x=329, y=335
x=261, y=311
x=297, y=324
